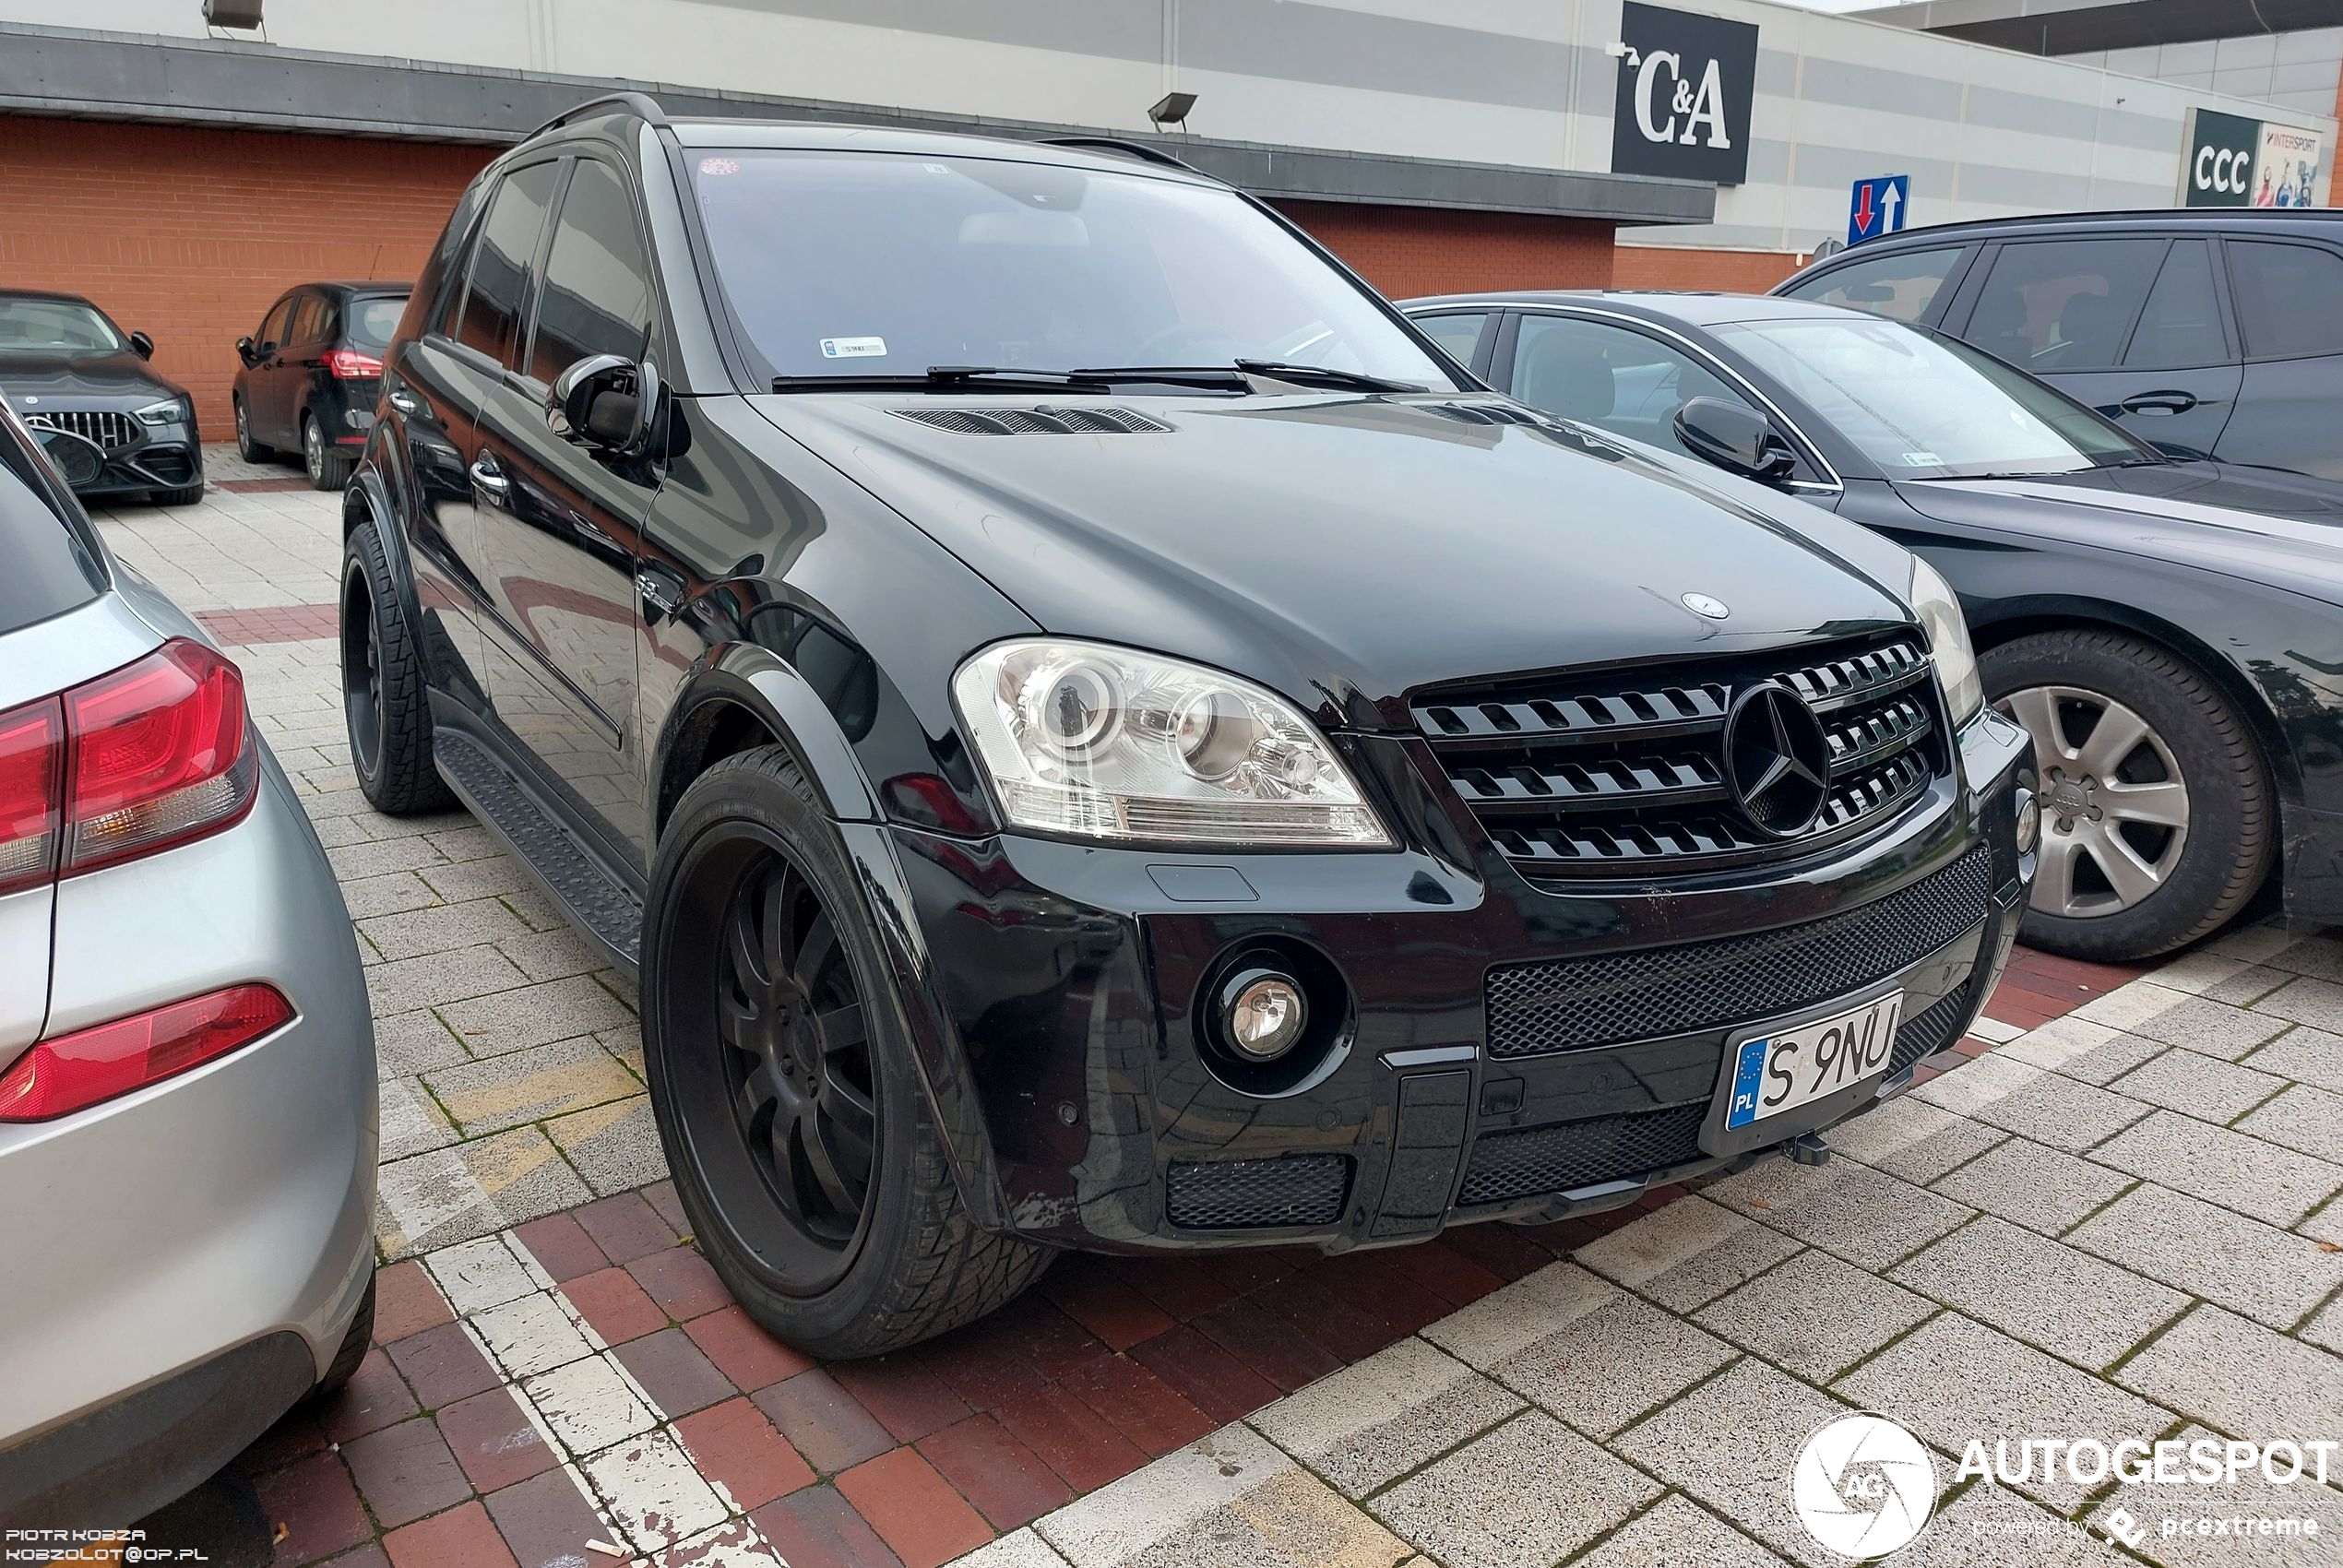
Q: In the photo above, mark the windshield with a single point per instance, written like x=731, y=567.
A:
x=56, y=327
x=1922, y=407
x=885, y=264
x=373, y=320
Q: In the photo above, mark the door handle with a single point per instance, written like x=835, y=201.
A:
x=490, y=480
x=404, y=402
x=661, y=592
x=2159, y=402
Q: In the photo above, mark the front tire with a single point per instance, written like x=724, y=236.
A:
x=783, y=1079
x=251, y=451
x=382, y=677
x=2156, y=812
x=328, y=468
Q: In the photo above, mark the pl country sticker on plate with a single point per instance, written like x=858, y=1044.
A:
x=852, y=348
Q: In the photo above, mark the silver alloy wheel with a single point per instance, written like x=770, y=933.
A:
x=2114, y=805
x=244, y=432
x=312, y=449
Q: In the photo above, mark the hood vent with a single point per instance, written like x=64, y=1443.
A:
x=1042, y=420
x=1482, y=413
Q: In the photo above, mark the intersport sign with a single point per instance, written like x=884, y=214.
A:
x=2231, y=160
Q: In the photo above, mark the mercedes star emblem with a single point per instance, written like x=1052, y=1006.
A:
x=1777, y=760
x=1701, y=604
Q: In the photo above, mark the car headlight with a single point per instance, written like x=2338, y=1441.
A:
x=1940, y=617
x=171, y=411
x=1107, y=743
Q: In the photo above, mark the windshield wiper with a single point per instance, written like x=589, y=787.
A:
x=1278, y=370
x=947, y=378
x=1240, y=373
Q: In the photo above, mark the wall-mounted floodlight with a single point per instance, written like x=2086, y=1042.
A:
x=1172, y=109
x=242, y=15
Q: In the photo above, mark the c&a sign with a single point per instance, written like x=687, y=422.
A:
x=1685, y=91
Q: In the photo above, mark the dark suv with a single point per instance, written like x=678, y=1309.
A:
x=312, y=373
x=1093, y=733
x=2207, y=332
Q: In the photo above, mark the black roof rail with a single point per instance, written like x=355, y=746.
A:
x=1138, y=149
x=642, y=105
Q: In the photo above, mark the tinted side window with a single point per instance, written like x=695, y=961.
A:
x=2289, y=298
x=1457, y=333
x=2181, y=327
x=51, y=568
x=502, y=257
x=597, y=294
x=1902, y=285
x=272, y=327
x=2063, y=304
x=309, y=320
x=1610, y=377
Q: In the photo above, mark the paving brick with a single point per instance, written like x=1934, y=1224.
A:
x=461, y=1538
x=2307, y=1056
x=902, y=1393
x=2047, y=1107
x=650, y=1490
x=2241, y=1377
x=681, y=1281
x=823, y=1422
x=561, y=1246
x=1369, y=1424
x=1119, y=1315
x=738, y=1449
x=660, y=1195
x=1181, y=1287
x=1866, y=1216
x=473, y=1189
x=1445, y=1272
x=1813, y=1315
x=1269, y=1346
x=2305, y=1119
x=513, y=1015
x=742, y=1351
x=1912, y=1139
x=495, y=1441
x=405, y=1471
x=589, y=1406
x=1520, y=1314
x=406, y=1301
x=1075, y=1441
x=2215, y=1029
x=2250, y=1498
x=441, y=929
x=1002, y=1478
x=296, y=1435
x=410, y=1120
x=673, y=1373
x=2029, y=1185
x=1142, y=1407
x=815, y=1527
x=1604, y=1368
x=1205, y=1375
x=1731, y=1443
x=443, y=980
x=2268, y=1275
x=316, y=1503
x=548, y=1519
x=2202, y=1087
x=914, y=1510
x=2313, y=1001
x=2052, y=1296
x=408, y=1043
x=1024, y=1549
x=1687, y=1253
x=530, y=1085
x=614, y=1306
x=614, y=1146
x=443, y=1365
x=1139, y=1515
x=371, y=1399
x=1525, y=1495
x=2081, y=1049
x=2223, y=1167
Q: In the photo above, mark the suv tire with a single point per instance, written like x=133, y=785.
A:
x=789, y=1103
x=2073, y=682
x=382, y=676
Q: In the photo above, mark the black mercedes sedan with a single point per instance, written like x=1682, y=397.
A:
x=2167, y=630
x=108, y=421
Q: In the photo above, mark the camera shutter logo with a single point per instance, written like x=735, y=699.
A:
x=1864, y=1485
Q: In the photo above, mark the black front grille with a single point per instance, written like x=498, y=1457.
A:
x=111, y=431
x=1571, y=1004
x=169, y=464
x=1257, y=1194
x=1622, y=774
x=1937, y=1027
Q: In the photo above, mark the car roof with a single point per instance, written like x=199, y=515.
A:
x=47, y=294
x=2309, y=218
x=1695, y=308
x=814, y=136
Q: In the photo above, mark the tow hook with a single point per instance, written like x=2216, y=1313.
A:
x=1807, y=1148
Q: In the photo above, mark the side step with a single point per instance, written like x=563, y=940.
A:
x=602, y=909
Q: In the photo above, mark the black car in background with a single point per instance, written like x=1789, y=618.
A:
x=2216, y=331
x=312, y=373
x=1092, y=734
x=2168, y=630
x=82, y=384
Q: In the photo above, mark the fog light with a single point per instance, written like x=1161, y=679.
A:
x=1263, y=1014
x=2029, y=822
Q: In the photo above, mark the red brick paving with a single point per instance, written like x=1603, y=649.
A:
x=259, y=486
x=279, y=623
x=908, y=1459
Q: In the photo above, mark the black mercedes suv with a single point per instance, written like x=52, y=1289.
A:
x=1092, y=732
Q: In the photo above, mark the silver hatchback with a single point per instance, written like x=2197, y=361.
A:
x=187, y=1113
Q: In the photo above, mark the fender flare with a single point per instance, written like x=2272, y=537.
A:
x=758, y=680
x=366, y=499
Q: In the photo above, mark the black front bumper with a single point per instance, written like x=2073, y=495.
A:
x=1509, y=1052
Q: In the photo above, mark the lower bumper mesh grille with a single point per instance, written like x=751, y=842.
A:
x=1572, y=1004
x=1937, y=1027
x=1257, y=1194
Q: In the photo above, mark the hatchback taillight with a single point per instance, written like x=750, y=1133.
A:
x=72, y=1072
x=151, y=755
x=349, y=365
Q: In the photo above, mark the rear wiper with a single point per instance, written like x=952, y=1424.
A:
x=947, y=378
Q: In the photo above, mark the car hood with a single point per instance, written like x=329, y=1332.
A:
x=2260, y=524
x=1346, y=550
x=86, y=381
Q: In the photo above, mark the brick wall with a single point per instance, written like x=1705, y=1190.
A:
x=1409, y=250
x=1666, y=266
x=188, y=233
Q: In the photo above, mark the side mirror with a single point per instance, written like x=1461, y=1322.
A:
x=604, y=401
x=142, y=345
x=244, y=351
x=1734, y=438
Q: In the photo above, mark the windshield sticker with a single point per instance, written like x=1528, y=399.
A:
x=1923, y=460
x=852, y=348
x=720, y=165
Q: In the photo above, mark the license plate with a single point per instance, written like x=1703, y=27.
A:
x=1787, y=1068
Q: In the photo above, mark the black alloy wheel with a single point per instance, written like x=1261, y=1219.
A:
x=361, y=668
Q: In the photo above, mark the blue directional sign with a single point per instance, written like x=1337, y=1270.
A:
x=1876, y=206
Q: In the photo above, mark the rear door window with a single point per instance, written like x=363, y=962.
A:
x=2055, y=305
x=1902, y=284
x=2181, y=328
x=2289, y=298
x=308, y=321
x=52, y=565
x=501, y=261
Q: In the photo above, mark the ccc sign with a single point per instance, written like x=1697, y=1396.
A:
x=2219, y=168
x=1685, y=91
